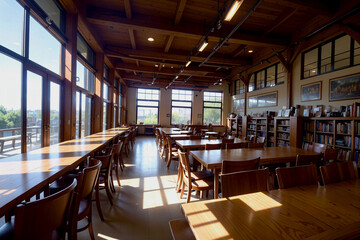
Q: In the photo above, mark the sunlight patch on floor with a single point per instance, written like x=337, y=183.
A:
x=171, y=196
x=152, y=199
x=106, y=237
x=168, y=181
x=131, y=182
x=151, y=183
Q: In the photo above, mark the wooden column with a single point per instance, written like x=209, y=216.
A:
x=69, y=106
x=98, y=101
x=111, y=97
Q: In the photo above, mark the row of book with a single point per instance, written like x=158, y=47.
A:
x=309, y=126
x=271, y=128
x=283, y=136
x=357, y=153
x=252, y=127
x=252, y=122
x=283, y=143
x=345, y=141
x=284, y=122
x=344, y=127
x=324, y=139
x=263, y=122
x=324, y=127
x=357, y=142
x=354, y=109
x=357, y=128
x=262, y=128
x=287, y=129
x=308, y=137
x=344, y=155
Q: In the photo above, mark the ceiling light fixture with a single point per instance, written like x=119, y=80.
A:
x=188, y=63
x=203, y=45
x=250, y=51
x=176, y=76
x=233, y=9
x=156, y=65
x=150, y=39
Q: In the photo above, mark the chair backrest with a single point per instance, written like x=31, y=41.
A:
x=236, y=145
x=236, y=166
x=260, y=139
x=318, y=147
x=251, y=138
x=331, y=155
x=210, y=137
x=195, y=137
x=244, y=182
x=45, y=218
x=308, y=159
x=255, y=145
x=337, y=172
x=185, y=164
x=297, y=176
x=213, y=146
x=228, y=140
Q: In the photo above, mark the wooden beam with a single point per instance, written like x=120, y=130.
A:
x=351, y=31
x=132, y=38
x=169, y=42
x=288, y=12
x=283, y=61
x=188, y=71
x=108, y=17
x=179, y=11
x=181, y=78
x=166, y=80
x=313, y=6
x=128, y=9
x=239, y=50
x=120, y=52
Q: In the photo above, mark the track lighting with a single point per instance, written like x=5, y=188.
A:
x=188, y=63
x=203, y=45
x=233, y=9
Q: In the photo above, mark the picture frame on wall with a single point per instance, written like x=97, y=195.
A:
x=311, y=91
x=343, y=88
x=269, y=99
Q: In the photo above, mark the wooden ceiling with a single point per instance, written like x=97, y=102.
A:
x=124, y=27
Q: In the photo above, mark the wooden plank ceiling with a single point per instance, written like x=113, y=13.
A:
x=124, y=27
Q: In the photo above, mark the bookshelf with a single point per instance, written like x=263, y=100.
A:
x=260, y=126
x=234, y=126
x=282, y=126
x=271, y=132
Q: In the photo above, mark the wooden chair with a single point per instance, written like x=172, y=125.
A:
x=195, y=137
x=260, y=139
x=180, y=230
x=226, y=141
x=236, y=145
x=197, y=181
x=237, y=166
x=297, y=176
x=118, y=161
x=82, y=204
x=331, y=155
x=244, y=182
x=212, y=137
x=251, y=138
x=337, y=172
x=171, y=152
x=104, y=178
x=41, y=219
x=255, y=145
x=213, y=146
x=318, y=147
x=302, y=160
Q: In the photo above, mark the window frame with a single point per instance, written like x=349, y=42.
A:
x=237, y=87
x=191, y=101
x=255, y=74
x=158, y=101
x=221, y=108
x=332, y=56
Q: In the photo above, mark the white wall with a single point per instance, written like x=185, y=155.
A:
x=165, y=105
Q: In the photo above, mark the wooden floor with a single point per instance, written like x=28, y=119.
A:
x=146, y=200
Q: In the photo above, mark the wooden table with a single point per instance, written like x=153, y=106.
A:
x=23, y=175
x=212, y=159
x=174, y=131
x=188, y=145
x=307, y=212
x=212, y=134
x=179, y=137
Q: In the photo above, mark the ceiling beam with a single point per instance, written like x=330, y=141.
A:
x=169, y=42
x=166, y=80
x=108, y=17
x=181, y=78
x=187, y=72
x=132, y=38
x=313, y=6
x=285, y=15
x=239, y=50
x=120, y=52
x=128, y=9
x=351, y=31
x=179, y=11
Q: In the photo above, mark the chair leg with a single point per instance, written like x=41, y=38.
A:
x=180, y=179
x=117, y=174
x=112, y=187
x=91, y=231
x=108, y=193
x=189, y=194
x=98, y=206
x=182, y=189
x=168, y=162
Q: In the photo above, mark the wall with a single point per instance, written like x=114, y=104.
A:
x=165, y=105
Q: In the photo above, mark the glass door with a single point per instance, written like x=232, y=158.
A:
x=34, y=111
x=54, y=113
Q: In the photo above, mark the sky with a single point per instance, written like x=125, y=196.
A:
x=44, y=49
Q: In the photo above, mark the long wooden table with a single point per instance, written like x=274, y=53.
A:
x=188, y=145
x=212, y=159
x=174, y=131
x=23, y=175
x=306, y=212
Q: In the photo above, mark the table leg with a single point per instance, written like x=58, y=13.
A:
x=216, y=183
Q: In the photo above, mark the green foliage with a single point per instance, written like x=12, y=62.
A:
x=9, y=118
x=212, y=116
x=178, y=119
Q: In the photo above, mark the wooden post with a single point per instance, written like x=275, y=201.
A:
x=98, y=101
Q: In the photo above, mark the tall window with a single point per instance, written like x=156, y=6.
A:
x=239, y=87
x=267, y=77
x=181, y=106
x=84, y=77
x=147, y=106
x=212, y=112
x=337, y=53
x=83, y=115
x=120, y=108
x=105, y=107
x=54, y=113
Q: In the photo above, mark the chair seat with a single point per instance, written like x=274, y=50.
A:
x=201, y=175
x=174, y=149
x=7, y=231
x=203, y=183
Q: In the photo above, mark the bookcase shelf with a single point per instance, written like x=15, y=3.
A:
x=234, y=126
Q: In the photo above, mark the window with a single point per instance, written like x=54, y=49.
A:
x=239, y=87
x=84, y=77
x=337, y=53
x=147, y=106
x=54, y=113
x=54, y=11
x=181, y=106
x=119, y=104
x=212, y=107
x=44, y=49
x=85, y=51
x=11, y=25
x=268, y=77
x=83, y=115
x=105, y=107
